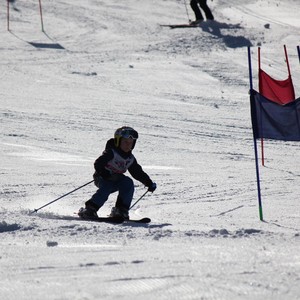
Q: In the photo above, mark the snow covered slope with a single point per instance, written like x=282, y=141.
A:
x=103, y=64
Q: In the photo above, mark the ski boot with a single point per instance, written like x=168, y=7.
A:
x=119, y=213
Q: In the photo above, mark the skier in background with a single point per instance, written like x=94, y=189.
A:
x=109, y=176
x=198, y=15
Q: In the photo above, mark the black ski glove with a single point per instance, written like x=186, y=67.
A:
x=152, y=187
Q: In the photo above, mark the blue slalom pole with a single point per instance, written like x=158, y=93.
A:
x=298, y=48
x=254, y=140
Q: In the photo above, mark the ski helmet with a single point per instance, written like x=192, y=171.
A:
x=125, y=132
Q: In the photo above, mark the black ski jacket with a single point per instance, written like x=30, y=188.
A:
x=114, y=162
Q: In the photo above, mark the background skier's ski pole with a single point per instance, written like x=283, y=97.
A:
x=138, y=200
x=37, y=209
x=187, y=12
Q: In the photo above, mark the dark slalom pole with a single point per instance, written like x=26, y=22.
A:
x=254, y=139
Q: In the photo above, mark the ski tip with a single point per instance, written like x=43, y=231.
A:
x=146, y=220
x=143, y=220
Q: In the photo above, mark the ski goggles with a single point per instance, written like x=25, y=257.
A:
x=129, y=133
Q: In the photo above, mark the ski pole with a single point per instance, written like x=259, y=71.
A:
x=138, y=200
x=187, y=12
x=37, y=209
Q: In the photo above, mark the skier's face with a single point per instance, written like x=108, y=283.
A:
x=126, y=144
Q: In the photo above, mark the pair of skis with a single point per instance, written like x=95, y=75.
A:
x=118, y=220
x=190, y=25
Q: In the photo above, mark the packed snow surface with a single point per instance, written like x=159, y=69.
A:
x=99, y=65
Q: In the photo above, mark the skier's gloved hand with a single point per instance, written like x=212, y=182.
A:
x=152, y=187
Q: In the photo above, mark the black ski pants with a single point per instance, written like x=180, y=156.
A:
x=203, y=5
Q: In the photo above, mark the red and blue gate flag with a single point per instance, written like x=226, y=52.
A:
x=271, y=120
x=279, y=91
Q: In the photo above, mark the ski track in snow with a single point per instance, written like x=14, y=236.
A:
x=186, y=92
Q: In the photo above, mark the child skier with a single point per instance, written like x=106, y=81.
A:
x=109, y=176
